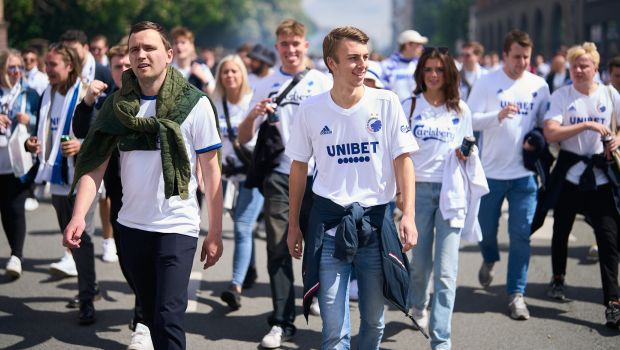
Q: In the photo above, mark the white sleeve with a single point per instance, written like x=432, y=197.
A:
x=556, y=107
x=402, y=140
x=544, y=104
x=205, y=136
x=299, y=145
x=477, y=102
x=467, y=122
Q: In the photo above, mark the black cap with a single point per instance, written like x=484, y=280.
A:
x=263, y=54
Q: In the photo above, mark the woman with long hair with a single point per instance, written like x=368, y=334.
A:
x=439, y=120
x=18, y=105
x=232, y=98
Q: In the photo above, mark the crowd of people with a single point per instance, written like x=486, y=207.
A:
x=151, y=128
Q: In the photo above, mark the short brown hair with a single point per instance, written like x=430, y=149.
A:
x=69, y=57
x=146, y=25
x=333, y=38
x=476, y=46
x=99, y=37
x=517, y=36
x=179, y=31
x=118, y=50
x=291, y=27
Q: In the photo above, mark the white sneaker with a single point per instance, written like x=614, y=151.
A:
x=31, y=204
x=421, y=317
x=109, y=251
x=141, y=338
x=353, y=291
x=315, y=310
x=518, y=309
x=65, y=267
x=273, y=339
x=14, y=267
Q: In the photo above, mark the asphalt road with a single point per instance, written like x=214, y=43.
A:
x=33, y=313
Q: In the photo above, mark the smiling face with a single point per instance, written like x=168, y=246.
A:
x=30, y=60
x=148, y=55
x=292, y=50
x=57, y=70
x=350, y=63
x=434, y=74
x=14, y=69
x=230, y=77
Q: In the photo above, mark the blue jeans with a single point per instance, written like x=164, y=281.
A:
x=334, y=296
x=248, y=207
x=432, y=227
x=521, y=195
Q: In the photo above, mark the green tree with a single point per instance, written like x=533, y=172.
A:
x=215, y=22
x=443, y=21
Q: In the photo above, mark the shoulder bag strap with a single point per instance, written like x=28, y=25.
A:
x=296, y=79
x=413, y=101
x=231, y=134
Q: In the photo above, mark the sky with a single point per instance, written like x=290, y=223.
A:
x=371, y=16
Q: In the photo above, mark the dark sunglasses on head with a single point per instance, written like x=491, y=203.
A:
x=429, y=49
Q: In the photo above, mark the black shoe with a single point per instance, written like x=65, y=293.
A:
x=75, y=302
x=557, y=289
x=232, y=298
x=612, y=314
x=250, y=278
x=87, y=313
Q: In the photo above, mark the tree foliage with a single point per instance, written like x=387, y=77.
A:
x=443, y=21
x=214, y=22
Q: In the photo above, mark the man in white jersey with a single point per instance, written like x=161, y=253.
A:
x=360, y=136
x=506, y=104
x=34, y=78
x=471, y=53
x=398, y=69
x=159, y=219
x=186, y=62
x=261, y=62
x=291, y=45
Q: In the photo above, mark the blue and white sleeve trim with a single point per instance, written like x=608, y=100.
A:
x=210, y=148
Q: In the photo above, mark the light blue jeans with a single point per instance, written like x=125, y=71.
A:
x=248, y=207
x=334, y=296
x=521, y=195
x=433, y=228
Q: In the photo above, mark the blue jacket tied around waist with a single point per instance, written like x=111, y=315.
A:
x=354, y=226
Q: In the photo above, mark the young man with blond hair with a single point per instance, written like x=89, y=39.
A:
x=361, y=136
x=185, y=60
x=292, y=46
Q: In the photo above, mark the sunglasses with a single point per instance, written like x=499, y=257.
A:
x=430, y=49
x=14, y=69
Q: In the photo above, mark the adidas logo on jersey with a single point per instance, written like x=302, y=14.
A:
x=326, y=131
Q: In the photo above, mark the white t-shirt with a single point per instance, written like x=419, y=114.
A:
x=254, y=79
x=186, y=72
x=354, y=148
x=145, y=206
x=313, y=83
x=55, y=116
x=437, y=131
x=501, y=144
x=570, y=107
x=398, y=75
x=237, y=113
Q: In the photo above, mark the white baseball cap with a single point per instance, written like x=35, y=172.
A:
x=411, y=36
x=374, y=72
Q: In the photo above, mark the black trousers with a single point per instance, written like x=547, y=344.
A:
x=84, y=256
x=13, y=194
x=599, y=206
x=279, y=261
x=159, y=266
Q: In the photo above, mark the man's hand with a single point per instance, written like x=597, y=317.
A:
x=598, y=128
x=295, y=241
x=33, y=145
x=73, y=233
x=212, y=249
x=508, y=112
x=408, y=233
x=95, y=89
x=22, y=118
x=71, y=147
x=261, y=108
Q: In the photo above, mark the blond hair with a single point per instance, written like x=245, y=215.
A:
x=219, y=87
x=291, y=27
x=587, y=48
x=5, y=82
